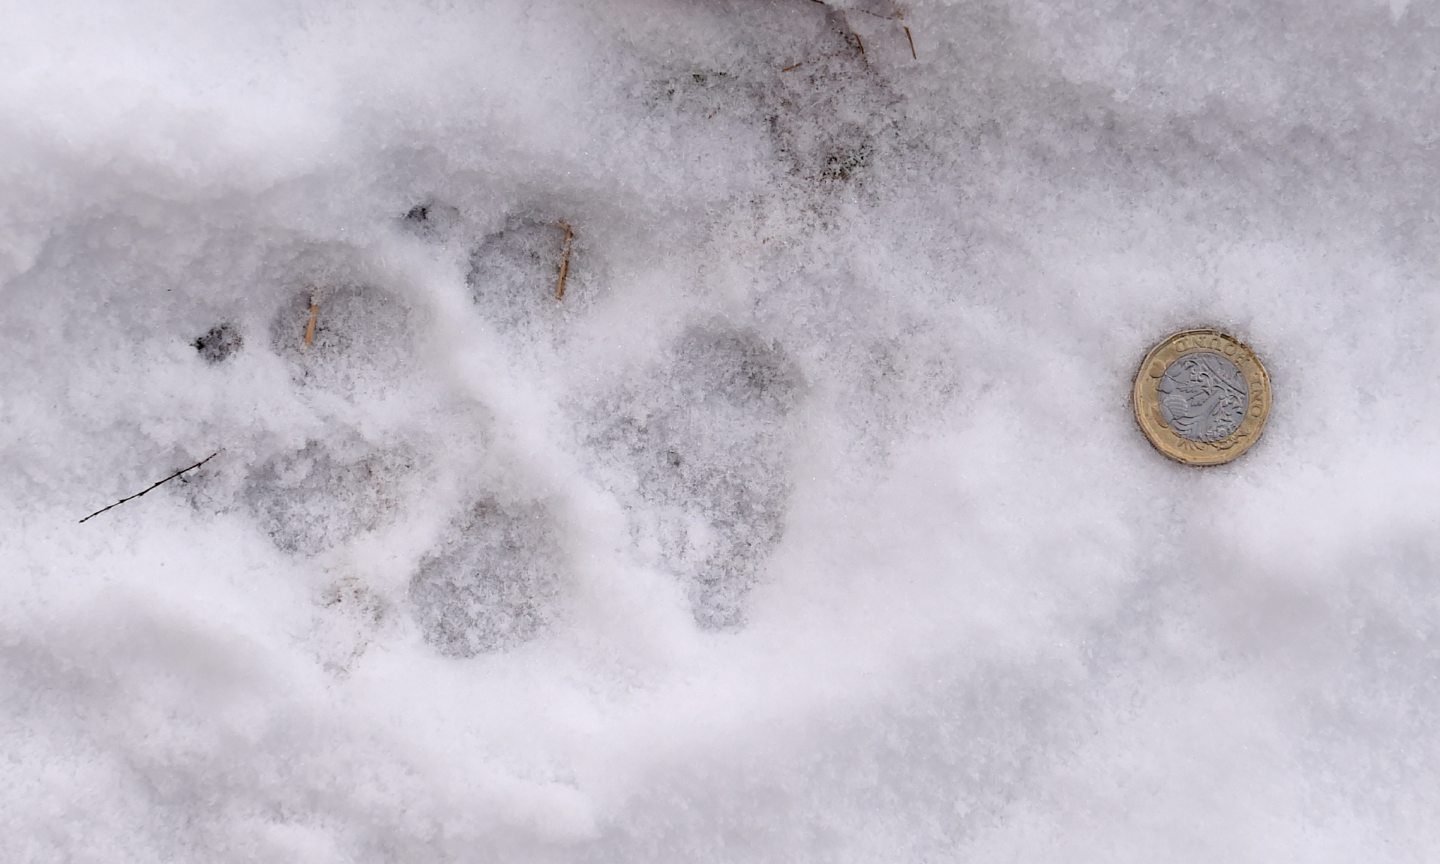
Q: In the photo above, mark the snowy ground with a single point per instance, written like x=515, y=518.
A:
x=811, y=525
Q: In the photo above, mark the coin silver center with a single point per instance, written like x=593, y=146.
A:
x=1203, y=396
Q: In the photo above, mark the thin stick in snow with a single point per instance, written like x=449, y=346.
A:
x=152, y=486
x=564, y=262
x=314, y=316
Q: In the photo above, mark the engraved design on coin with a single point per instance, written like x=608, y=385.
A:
x=1203, y=396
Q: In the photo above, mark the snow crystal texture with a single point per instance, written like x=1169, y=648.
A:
x=811, y=522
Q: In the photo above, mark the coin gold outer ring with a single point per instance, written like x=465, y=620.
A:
x=1146, y=397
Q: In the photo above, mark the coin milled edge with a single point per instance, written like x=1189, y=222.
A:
x=1146, y=397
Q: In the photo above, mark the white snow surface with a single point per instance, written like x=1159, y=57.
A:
x=812, y=524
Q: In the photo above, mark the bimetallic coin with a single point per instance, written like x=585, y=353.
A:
x=1202, y=397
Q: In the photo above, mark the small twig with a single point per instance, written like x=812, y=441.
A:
x=564, y=262
x=900, y=16
x=314, y=316
x=151, y=487
x=897, y=15
x=793, y=66
x=859, y=43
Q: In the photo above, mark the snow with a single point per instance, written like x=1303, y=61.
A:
x=811, y=524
